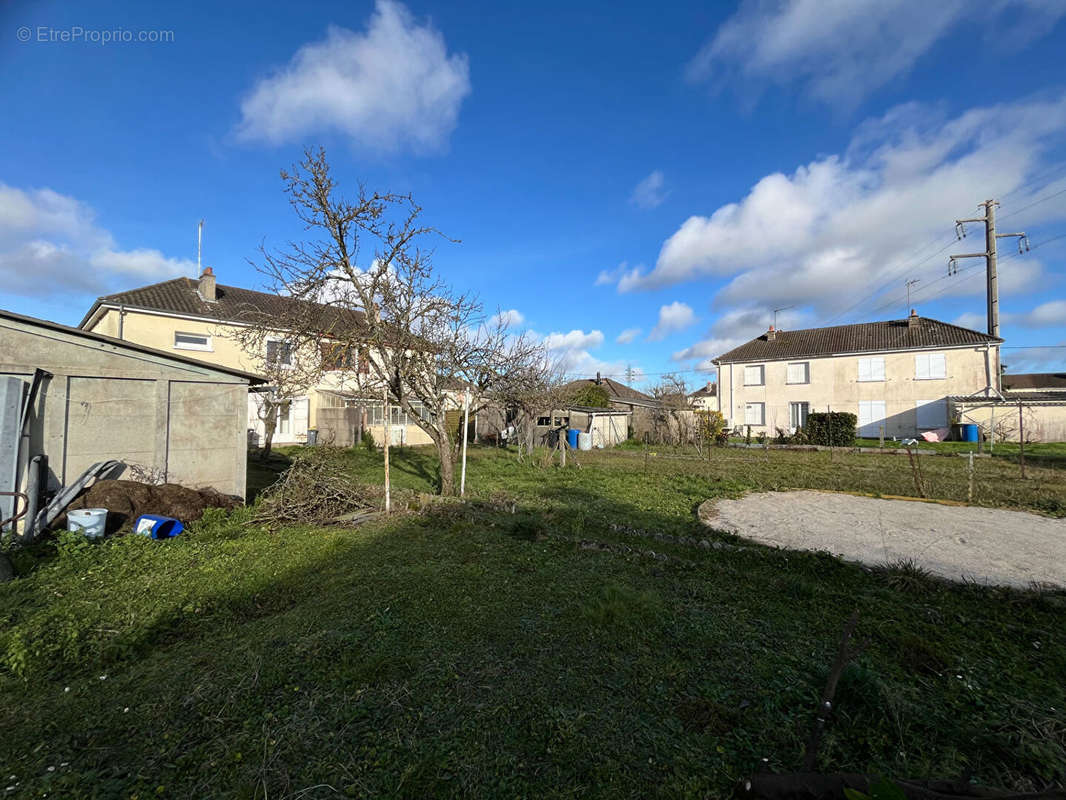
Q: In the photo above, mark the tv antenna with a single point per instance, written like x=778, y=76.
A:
x=910, y=283
x=199, y=248
x=783, y=308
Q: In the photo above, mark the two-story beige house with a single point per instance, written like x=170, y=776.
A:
x=897, y=374
x=196, y=318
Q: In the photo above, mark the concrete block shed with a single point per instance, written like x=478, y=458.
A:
x=181, y=420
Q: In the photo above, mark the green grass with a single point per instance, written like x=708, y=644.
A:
x=584, y=646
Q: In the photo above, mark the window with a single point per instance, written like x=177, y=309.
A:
x=797, y=414
x=753, y=376
x=930, y=366
x=798, y=372
x=560, y=421
x=336, y=356
x=192, y=341
x=931, y=414
x=754, y=413
x=284, y=423
x=545, y=421
x=872, y=369
x=871, y=417
x=279, y=352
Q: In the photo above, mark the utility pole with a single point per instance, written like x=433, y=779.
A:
x=990, y=254
x=629, y=374
x=910, y=283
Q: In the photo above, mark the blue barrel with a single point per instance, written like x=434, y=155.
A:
x=157, y=526
x=970, y=432
x=571, y=438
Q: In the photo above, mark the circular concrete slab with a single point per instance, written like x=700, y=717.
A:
x=986, y=545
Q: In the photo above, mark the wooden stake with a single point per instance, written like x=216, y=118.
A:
x=969, y=490
x=825, y=705
x=385, y=420
x=1021, y=438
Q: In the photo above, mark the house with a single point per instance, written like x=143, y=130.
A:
x=1031, y=404
x=642, y=408
x=78, y=397
x=197, y=319
x=705, y=398
x=896, y=374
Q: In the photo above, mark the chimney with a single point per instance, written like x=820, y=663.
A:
x=771, y=334
x=912, y=320
x=206, y=287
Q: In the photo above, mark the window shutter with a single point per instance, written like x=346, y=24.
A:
x=921, y=366
x=864, y=369
x=272, y=352
x=797, y=373
x=938, y=365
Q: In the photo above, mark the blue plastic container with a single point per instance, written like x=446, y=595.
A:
x=157, y=526
x=970, y=432
x=571, y=438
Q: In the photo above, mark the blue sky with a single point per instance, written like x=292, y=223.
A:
x=640, y=188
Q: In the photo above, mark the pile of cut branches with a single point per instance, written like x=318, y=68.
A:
x=316, y=489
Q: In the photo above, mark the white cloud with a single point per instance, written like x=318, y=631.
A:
x=1046, y=315
x=835, y=229
x=972, y=320
x=628, y=335
x=649, y=193
x=570, y=351
x=575, y=340
x=391, y=87
x=510, y=318
x=50, y=244
x=622, y=274
x=732, y=329
x=841, y=51
x=672, y=318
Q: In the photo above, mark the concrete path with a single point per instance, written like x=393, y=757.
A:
x=986, y=545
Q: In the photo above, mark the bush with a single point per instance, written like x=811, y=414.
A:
x=833, y=429
x=368, y=440
x=709, y=424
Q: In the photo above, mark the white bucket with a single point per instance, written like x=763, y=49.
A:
x=90, y=521
x=584, y=441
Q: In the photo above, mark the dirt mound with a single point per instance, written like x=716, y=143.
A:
x=127, y=500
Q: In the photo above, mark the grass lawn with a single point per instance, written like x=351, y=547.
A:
x=586, y=645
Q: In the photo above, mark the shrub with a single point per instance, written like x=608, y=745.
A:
x=592, y=395
x=834, y=429
x=368, y=440
x=709, y=424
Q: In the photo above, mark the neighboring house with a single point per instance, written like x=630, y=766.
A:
x=163, y=414
x=899, y=374
x=643, y=409
x=195, y=318
x=705, y=398
x=1032, y=403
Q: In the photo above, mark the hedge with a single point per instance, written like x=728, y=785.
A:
x=835, y=428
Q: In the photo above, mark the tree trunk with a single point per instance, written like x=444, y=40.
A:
x=270, y=423
x=447, y=468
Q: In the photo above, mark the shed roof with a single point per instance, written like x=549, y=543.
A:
x=617, y=392
x=251, y=377
x=1029, y=381
x=920, y=333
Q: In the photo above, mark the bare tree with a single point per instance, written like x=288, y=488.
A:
x=371, y=288
x=533, y=389
x=674, y=418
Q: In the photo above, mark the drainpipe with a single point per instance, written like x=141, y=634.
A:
x=731, y=393
x=121, y=320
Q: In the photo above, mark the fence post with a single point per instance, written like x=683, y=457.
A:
x=1021, y=438
x=882, y=429
x=969, y=490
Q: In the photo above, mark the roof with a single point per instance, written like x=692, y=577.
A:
x=710, y=390
x=618, y=392
x=863, y=337
x=1028, y=381
x=180, y=296
x=139, y=348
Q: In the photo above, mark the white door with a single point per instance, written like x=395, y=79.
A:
x=300, y=406
x=871, y=418
x=931, y=414
x=397, y=435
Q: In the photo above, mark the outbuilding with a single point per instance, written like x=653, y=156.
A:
x=78, y=398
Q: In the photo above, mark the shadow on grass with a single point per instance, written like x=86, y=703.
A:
x=473, y=651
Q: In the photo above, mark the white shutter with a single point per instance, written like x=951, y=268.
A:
x=753, y=376
x=797, y=373
x=921, y=366
x=938, y=365
x=299, y=416
x=871, y=416
x=872, y=369
x=753, y=414
x=931, y=413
